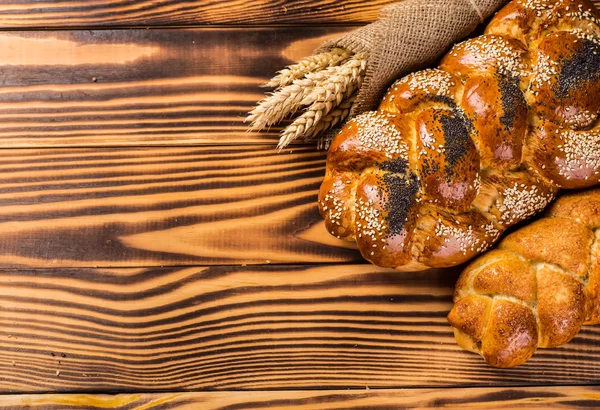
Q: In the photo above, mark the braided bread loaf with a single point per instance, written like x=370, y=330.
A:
x=536, y=289
x=456, y=155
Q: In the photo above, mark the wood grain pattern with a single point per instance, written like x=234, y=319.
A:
x=125, y=165
x=260, y=328
x=163, y=206
x=31, y=13
x=141, y=87
x=575, y=397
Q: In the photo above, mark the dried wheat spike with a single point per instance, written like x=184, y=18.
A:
x=324, y=98
x=280, y=104
x=304, y=123
x=286, y=101
x=336, y=116
x=342, y=84
x=322, y=90
x=308, y=65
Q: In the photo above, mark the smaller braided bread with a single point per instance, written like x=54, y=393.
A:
x=537, y=289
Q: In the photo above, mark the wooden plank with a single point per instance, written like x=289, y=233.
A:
x=141, y=87
x=262, y=328
x=572, y=397
x=107, y=13
x=163, y=206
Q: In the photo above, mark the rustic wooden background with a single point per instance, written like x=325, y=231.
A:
x=150, y=247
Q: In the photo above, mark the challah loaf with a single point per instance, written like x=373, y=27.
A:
x=537, y=289
x=457, y=154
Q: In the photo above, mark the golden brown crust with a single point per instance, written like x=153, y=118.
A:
x=369, y=140
x=512, y=197
x=459, y=153
x=506, y=274
x=498, y=111
x=448, y=161
x=516, y=21
x=528, y=20
x=582, y=207
x=559, y=241
x=442, y=239
x=470, y=315
x=487, y=54
x=386, y=212
x=565, y=81
x=336, y=204
x=593, y=286
x=511, y=336
x=432, y=85
x=570, y=159
x=560, y=306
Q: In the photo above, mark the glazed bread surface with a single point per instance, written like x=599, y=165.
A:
x=457, y=154
x=536, y=289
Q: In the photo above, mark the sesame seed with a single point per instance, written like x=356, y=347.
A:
x=494, y=52
x=465, y=236
x=430, y=81
x=465, y=239
x=543, y=72
x=375, y=131
x=581, y=149
x=521, y=202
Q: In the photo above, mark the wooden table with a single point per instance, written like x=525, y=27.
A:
x=154, y=255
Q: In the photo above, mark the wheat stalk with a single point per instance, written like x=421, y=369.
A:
x=326, y=84
x=342, y=84
x=323, y=99
x=336, y=116
x=331, y=120
x=287, y=100
x=304, y=123
x=278, y=105
x=308, y=65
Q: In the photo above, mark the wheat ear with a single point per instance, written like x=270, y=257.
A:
x=316, y=119
x=304, y=123
x=278, y=105
x=308, y=65
x=336, y=116
x=325, y=98
x=341, y=84
x=329, y=121
x=287, y=100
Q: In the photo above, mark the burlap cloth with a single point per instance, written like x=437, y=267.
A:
x=408, y=36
